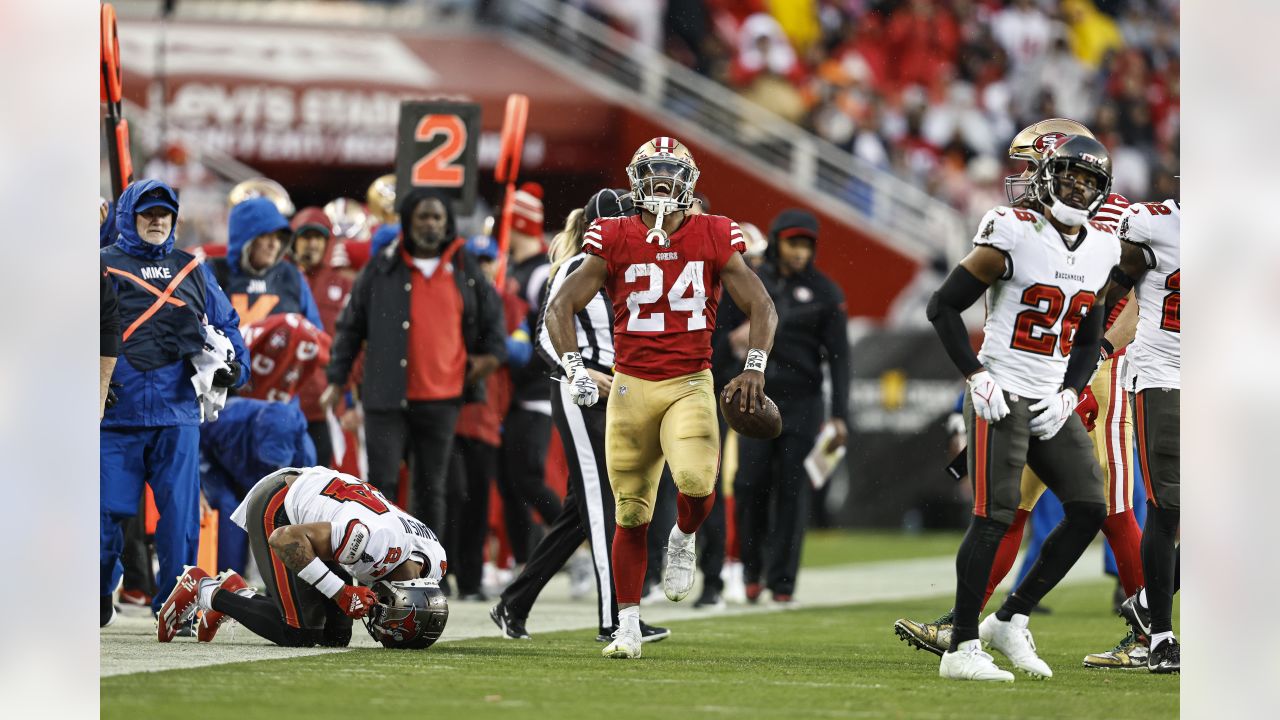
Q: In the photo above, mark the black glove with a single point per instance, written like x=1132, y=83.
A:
x=228, y=376
x=111, y=394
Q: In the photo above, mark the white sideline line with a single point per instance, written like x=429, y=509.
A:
x=129, y=645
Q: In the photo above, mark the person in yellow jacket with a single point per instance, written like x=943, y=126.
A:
x=1091, y=32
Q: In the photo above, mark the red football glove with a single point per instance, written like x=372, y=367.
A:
x=355, y=602
x=1087, y=409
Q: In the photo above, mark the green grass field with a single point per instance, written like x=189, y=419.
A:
x=840, y=662
x=827, y=548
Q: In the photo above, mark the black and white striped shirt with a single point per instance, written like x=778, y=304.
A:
x=594, y=324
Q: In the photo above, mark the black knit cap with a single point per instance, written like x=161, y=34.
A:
x=794, y=222
x=609, y=203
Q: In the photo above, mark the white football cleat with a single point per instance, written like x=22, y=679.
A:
x=677, y=575
x=1014, y=640
x=969, y=662
x=625, y=645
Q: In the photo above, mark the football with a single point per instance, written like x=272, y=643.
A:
x=764, y=424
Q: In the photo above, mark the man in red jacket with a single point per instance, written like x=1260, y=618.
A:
x=312, y=250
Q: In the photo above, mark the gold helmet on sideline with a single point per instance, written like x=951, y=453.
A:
x=261, y=187
x=1033, y=144
x=350, y=221
x=381, y=199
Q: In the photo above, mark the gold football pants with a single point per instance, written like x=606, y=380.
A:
x=648, y=422
x=1112, y=442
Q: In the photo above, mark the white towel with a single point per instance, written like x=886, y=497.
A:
x=217, y=355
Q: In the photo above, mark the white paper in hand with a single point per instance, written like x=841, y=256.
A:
x=337, y=438
x=820, y=464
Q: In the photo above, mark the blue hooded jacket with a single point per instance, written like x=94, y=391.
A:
x=281, y=288
x=252, y=439
x=152, y=368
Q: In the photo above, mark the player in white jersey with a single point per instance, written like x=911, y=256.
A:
x=1044, y=270
x=312, y=530
x=1151, y=259
x=1104, y=408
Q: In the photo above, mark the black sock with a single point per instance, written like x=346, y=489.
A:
x=1177, y=568
x=260, y=614
x=1160, y=564
x=1061, y=550
x=973, y=569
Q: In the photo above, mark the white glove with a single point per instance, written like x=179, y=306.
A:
x=1056, y=409
x=988, y=399
x=582, y=388
x=955, y=424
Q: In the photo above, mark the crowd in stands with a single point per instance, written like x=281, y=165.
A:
x=932, y=90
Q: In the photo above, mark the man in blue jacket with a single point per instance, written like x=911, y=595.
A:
x=250, y=440
x=252, y=274
x=152, y=432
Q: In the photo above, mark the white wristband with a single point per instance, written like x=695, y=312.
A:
x=321, y=577
x=756, y=360
x=571, y=362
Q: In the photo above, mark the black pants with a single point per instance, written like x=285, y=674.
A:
x=318, y=430
x=472, y=469
x=772, y=494
x=588, y=514
x=714, y=532
x=522, y=479
x=136, y=557
x=426, y=430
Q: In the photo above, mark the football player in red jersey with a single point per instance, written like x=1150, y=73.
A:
x=662, y=270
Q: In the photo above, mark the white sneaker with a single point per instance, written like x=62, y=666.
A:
x=626, y=643
x=1014, y=640
x=970, y=663
x=735, y=591
x=655, y=595
x=677, y=575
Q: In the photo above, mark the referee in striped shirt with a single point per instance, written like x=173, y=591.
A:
x=588, y=512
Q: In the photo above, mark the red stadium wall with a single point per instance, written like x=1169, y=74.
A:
x=870, y=272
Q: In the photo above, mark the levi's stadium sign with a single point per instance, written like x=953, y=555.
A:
x=319, y=96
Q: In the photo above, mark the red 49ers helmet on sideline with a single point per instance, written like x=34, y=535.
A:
x=283, y=349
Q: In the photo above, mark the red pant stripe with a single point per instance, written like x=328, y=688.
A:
x=282, y=577
x=980, y=435
x=1141, y=420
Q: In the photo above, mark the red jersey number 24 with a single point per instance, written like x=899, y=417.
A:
x=687, y=294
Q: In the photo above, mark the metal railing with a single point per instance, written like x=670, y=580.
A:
x=438, y=14
x=857, y=192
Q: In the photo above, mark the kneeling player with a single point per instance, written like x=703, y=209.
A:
x=311, y=530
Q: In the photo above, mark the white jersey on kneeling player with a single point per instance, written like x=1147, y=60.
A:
x=1033, y=310
x=324, y=495
x=1155, y=356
